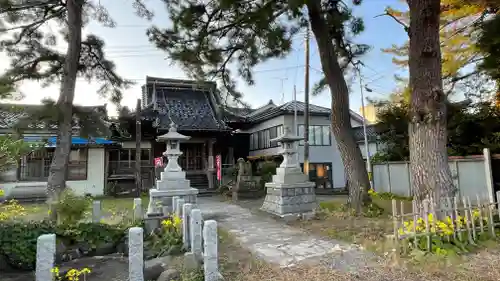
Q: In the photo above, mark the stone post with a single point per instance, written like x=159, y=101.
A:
x=195, y=225
x=180, y=205
x=186, y=214
x=138, y=209
x=45, y=257
x=96, y=211
x=488, y=175
x=174, y=204
x=135, y=254
x=210, y=258
x=165, y=210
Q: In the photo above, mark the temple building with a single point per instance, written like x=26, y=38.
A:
x=106, y=164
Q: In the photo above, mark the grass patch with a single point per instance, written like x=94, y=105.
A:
x=114, y=210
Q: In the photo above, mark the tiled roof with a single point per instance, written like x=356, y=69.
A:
x=12, y=114
x=289, y=108
x=371, y=132
x=242, y=114
x=188, y=107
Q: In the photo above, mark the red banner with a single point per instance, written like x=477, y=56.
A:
x=158, y=162
x=218, y=167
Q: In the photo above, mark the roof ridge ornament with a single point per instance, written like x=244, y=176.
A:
x=173, y=127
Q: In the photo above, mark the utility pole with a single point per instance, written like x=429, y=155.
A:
x=138, y=174
x=367, y=148
x=306, y=101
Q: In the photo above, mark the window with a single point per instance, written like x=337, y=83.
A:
x=124, y=155
x=326, y=135
x=77, y=166
x=319, y=135
x=300, y=132
x=262, y=139
x=280, y=130
x=36, y=165
x=145, y=155
x=321, y=174
x=267, y=139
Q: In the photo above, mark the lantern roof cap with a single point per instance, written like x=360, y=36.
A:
x=172, y=135
x=288, y=136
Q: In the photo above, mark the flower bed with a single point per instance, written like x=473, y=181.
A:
x=447, y=235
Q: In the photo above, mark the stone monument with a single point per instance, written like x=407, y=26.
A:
x=290, y=195
x=173, y=180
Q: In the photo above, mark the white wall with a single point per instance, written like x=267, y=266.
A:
x=468, y=176
x=94, y=184
x=372, y=146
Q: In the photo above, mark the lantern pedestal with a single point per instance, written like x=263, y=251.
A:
x=173, y=180
x=290, y=195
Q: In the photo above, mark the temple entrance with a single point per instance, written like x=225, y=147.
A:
x=192, y=157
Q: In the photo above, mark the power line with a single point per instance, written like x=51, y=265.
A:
x=256, y=71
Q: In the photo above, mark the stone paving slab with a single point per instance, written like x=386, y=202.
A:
x=275, y=242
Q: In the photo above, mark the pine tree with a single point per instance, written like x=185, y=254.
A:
x=32, y=50
x=213, y=39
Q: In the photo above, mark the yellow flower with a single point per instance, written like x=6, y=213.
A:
x=166, y=223
x=177, y=221
x=86, y=270
x=2, y=192
x=55, y=270
x=475, y=213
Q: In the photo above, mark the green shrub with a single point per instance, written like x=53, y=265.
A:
x=168, y=240
x=94, y=234
x=71, y=207
x=18, y=238
x=18, y=241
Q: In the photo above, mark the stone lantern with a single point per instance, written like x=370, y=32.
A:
x=173, y=180
x=173, y=140
x=290, y=195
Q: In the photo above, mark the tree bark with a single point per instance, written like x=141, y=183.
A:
x=59, y=166
x=430, y=173
x=357, y=175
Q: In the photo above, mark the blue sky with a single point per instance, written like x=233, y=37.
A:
x=135, y=58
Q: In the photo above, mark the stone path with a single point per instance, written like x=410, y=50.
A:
x=278, y=243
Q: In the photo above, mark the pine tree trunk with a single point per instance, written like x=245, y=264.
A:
x=357, y=175
x=430, y=173
x=59, y=167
